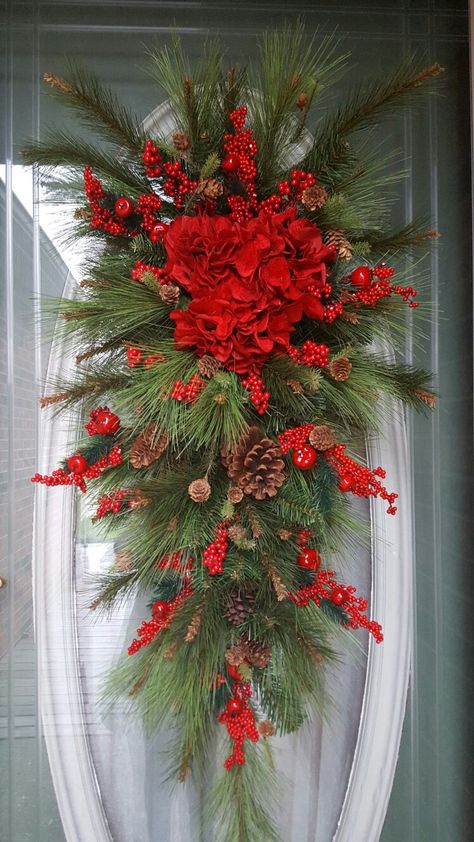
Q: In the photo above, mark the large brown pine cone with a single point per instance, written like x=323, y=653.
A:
x=336, y=238
x=240, y=606
x=148, y=446
x=255, y=465
x=259, y=654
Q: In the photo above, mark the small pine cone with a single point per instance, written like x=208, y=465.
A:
x=57, y=82
x=148, y=446
x=123, y=561
x=322, y=437
x=266, y=728
x=139, y=501
x=181, y=141
x=295, y=387
x=336, y=238
x=220, y=399
x=169, y=293
x=427, y=397
x=340, y=369
x=194, y=626
x=208, y=366
x=82, y=213
x=350, y=317
x=237, y=654
x=170, y=651
x=210, y=188
x=278, y=586
x=302, y=102
x=240, y=606
x=234, y=494
x=284, y=534
x=237, y=533
x=259, y=654
x=199, y=490
x=314, y=198
x=255, y=465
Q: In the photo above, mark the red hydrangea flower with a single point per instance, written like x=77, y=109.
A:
x=248, y=283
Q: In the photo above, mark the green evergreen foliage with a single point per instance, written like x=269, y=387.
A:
x=180, y=679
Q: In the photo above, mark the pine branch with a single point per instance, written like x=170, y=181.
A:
x=410, y=236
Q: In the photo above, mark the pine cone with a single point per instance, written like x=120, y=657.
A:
x=295, y=387
x=208, y=366
x=266, y=728
x=181, y=141
x=322, y=437
x=284, y=534
x=314, y=198
x=199, y=490
x=234, y=494
x=169, y=293
x=123, y=561
x=237, y=533
x=336, y=238
x=194, y=626
x=427, y=397
x=301, y=102
x=340, y=369
x=148, y=446
x=259, y=654
x=350, y=317
x=240, y=606
x=237, y=654
x=255, y=465
x=210, y=188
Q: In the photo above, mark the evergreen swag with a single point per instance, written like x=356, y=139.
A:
x=227, y=317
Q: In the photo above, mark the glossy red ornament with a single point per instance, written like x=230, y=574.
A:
x=345, y=483
x=107, y=423
x=309, y=559
x=339, y=596
x=234, y=707
x=158, y=232
x=304, y=457
x=234, y=672
x=160, y=610
x=361, y=277
x=123, y=207
x=230, y=163
x=77, y=464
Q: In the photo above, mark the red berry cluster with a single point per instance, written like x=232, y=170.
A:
x=362, y=481
x=78, y=477
x=174, y=562
x=140, y=268
x=177, y=185
x=135, y=358
x=161, y=619
x=309, y=354
x=257, y=393
x=297, y=184
x=102, y=422
x=187, y=392
x=371, y=291
x=240, y=150
x=101, y=218
x=215, y=553
x=148, y=206
x=152, y=159
x=239, y=719
x=332, y=311
x=325, y=586
x=295, y=437
x=121, y=499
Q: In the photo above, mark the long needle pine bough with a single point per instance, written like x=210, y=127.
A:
x=225, y=331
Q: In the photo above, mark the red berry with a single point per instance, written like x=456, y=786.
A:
x=160, y=610
x=339, y=596
x=158, y=232
x=107, y=423
x=361, y=277
x=77, y=464
x=234, y=707
x=304, y=457
x=345, y=483
x=230, y=163
x=309, y=559
x=123, y=207
x=234, y=672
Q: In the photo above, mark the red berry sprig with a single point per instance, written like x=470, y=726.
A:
x=79, y=472
x=257, y=392
x=140, y=268
x=101, y=218
x=310, y=354
x=119, y=501
x=135, y=357
x=371, y=291
x=239, y=719
x=295, y=437
x=188, y=392
x=161, y=619
x=148, y=206
x=102, y=422
x=215, y=553
x=152, y=159
x=355, y=477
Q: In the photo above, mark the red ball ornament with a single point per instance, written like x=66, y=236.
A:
x=107, y=423
x=339, y=596
x=230, y=163
x=77, y=464
x=304, y=457
x=234, y=672
x=234, y=707
x=309, y=559
x=158, y=232
x=345, y=483
x=160, y=610
x=361, y=277
x=123, y=207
